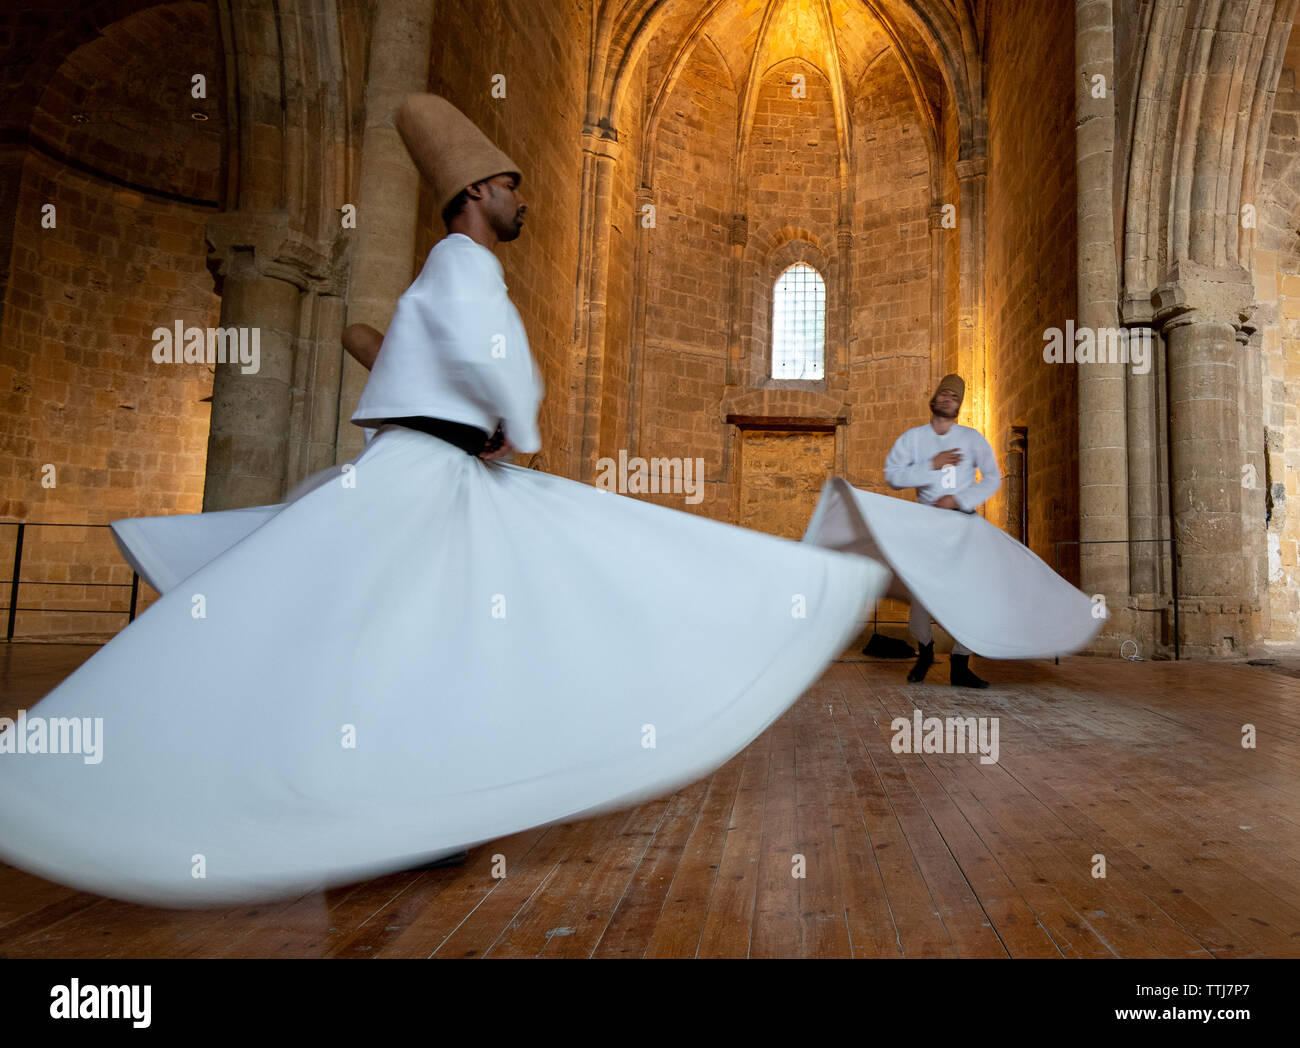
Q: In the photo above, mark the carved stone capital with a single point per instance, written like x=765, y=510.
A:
x=600, y=140
x=1195, y=293
x=246, y=245
x=975, y=167
x=843, y=238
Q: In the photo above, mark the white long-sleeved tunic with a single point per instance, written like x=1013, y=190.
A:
x=456, y=349
x=908, y=466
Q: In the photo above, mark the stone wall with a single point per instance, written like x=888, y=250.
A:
x=892, y=333
x=1030, y=259
x=91, y=428
x=687, y=262
x=878, y=293
x=1277, y=289
x=125, y=436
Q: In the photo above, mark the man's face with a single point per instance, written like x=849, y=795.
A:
x=503, y=206
x=945, y=404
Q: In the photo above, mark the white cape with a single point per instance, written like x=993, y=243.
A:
x=446, y=652
x=986, y=589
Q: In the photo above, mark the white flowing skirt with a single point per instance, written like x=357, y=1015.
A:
x=425, y=653
x=167, y=550
x=986, y=589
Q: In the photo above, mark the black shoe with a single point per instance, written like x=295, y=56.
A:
x=923, y=663
x=451, y=860
x=960, y=674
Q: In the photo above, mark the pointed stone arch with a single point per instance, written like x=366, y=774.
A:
x=923, y=34
x=1206, y=76
x=1195, y=153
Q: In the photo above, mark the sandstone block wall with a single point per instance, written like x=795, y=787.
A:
x=133, y=178
x=879, y=328
x=126, y=436
x=1030, y=261
x=1277, y=289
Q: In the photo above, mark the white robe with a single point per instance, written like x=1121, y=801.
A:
x=456, y=349
x=415, y=656
x=987, y=590
x=908, y=465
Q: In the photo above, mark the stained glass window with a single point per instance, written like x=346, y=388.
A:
x=799, y=324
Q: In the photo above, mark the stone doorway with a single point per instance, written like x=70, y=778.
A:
x=782, y=470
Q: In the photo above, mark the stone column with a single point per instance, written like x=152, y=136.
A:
x=1103, y=486
x=1207, y=481
x=636, y=346
x=1254, y=469
x=1202, y=310
x=269, y=278
x=248, y=437
x=838, y=362
x=1145, y=507
x=738, y=368
x=1103, y=428
x=972, y=191
x=599, y=153
x=937, y=369
x=383, y=253
x=314, y=399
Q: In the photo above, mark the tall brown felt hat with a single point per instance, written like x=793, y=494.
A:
x=449, y=151
x=954, y=383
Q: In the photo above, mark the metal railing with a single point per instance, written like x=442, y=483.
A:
x=15, y=579
x=1173, y=572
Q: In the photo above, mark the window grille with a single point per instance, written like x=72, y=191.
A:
x=799, y=324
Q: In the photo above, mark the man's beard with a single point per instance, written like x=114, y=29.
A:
x=936, y=410
x=510, y=230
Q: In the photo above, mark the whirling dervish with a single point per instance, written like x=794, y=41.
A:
x=427, y=648
x=992, y=594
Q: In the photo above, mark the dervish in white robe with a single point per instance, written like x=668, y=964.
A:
x=418, y=653
x=988, y=591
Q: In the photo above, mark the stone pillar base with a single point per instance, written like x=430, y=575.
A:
x=1122, y=624
x=1211, y=627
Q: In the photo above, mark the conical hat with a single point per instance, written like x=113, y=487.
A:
x=953, y=383
x=449, y=151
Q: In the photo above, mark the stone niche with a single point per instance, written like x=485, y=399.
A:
x=782, y=445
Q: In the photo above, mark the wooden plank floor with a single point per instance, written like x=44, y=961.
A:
x=903, y=855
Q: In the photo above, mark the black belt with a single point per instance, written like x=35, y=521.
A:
x=470, y=439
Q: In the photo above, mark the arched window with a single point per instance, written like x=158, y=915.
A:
x=799, y=324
